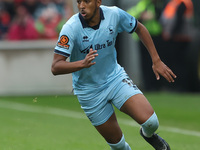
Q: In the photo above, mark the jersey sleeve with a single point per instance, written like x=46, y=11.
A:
x=127, y=22
x=65, y=42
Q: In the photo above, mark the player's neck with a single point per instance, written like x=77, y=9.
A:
x=95, y=19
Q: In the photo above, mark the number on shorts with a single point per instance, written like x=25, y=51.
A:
x=130, y=83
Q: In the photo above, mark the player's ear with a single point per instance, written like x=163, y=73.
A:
x=99, y=3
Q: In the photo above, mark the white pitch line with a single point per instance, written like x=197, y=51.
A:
x=41, y=109
x=163, y=128
x=79, y=115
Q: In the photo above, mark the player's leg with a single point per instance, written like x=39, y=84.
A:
x=112, y=133
x=130, y=100
x=142, y=112
x=100, y=112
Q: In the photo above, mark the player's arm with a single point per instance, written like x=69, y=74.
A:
x=158, y=67
x=61, y=66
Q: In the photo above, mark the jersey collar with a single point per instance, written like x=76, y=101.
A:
x=85, y=25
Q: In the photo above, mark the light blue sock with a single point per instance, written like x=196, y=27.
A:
x=121, y=145
x=150, y=126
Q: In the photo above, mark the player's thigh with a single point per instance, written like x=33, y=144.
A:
x=110, y=130
x=138, y=107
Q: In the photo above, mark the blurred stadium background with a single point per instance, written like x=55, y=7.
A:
x=26, y=63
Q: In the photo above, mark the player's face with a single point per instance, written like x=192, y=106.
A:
x=89, y=9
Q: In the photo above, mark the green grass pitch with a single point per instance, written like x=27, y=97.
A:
x=58, y=123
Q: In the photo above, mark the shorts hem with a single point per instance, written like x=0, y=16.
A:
x=103, y=121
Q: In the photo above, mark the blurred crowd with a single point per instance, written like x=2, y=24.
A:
x=33, y=19
x=171, y=25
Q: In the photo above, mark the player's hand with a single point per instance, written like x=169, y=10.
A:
x=159, y=68
x=87, y=62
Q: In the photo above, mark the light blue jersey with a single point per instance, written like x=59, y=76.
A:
x=76, y=38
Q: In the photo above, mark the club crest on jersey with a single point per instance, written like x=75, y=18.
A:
x=63, y=42
x=110, y=30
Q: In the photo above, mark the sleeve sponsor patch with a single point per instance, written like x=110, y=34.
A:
x=63, y=42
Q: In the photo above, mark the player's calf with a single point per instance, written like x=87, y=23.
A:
x=121, y=145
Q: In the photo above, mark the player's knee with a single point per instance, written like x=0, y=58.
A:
x=150, y=126
x=121, y=145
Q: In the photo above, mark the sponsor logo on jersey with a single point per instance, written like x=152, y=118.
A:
x=63, y=42
x=98, y=46
x=86, y=50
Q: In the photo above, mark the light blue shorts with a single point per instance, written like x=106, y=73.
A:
x=98, y=106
